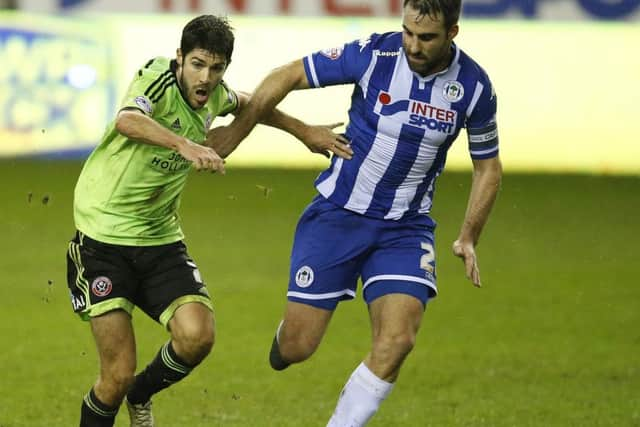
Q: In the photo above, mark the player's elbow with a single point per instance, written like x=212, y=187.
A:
x=126, y=122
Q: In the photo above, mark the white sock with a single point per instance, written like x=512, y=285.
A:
x=360, y=398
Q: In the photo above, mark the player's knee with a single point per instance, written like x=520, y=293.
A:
x=194, y=344
x=297, y=348
x=203, y=345
x=200, y=346
x=394, y=347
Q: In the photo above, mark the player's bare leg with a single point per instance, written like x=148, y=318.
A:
x=298, y=335
x=395, y=320
x=192, y=332
x=192, y=336
x=116, y=347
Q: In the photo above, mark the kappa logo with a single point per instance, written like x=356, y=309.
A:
x=101, y=286
x=304, y=276
x=386, y=52
x=176, y=124
x=363, y=43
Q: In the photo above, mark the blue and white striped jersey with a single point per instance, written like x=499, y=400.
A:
x=400, y=124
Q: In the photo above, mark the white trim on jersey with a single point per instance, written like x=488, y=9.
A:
x=481, y=152
x=328, y=186
x=322, y=296
x=364, y=80
x=476, y=95
x=312, y=70
x=401, y=277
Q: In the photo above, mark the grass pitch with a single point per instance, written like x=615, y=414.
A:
x=552, y=339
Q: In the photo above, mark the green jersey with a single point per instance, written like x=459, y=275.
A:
x=128, y=192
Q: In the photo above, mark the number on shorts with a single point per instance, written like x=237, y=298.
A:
x=427, y=260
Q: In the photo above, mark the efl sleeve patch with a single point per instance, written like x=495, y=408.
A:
x=332, y=53
x=338, y=65
x=144, y=103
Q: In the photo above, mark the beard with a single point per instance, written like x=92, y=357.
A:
x=429, y=65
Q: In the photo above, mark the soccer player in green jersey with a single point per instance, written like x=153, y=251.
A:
x=128, y=248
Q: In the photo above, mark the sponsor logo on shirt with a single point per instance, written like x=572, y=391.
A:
x=174, y=163
x=421, y=114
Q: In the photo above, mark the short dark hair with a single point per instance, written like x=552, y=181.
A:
x=208, y=32
x=450, y=9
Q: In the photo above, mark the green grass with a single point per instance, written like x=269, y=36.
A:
x=552, y=339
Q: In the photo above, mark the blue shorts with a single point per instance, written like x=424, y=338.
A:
x=333, y=247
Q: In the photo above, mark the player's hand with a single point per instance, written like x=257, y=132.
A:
x=202, y=158
x=323, y=140
x=467, y=252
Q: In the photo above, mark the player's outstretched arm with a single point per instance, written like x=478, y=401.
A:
x=267, y=95
x=487, y=174
x=138, y=127
x=320, y=139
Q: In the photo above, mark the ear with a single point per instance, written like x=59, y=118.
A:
x=179, y=56
x=453, y=32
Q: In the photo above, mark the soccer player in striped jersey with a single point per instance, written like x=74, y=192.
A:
x=414, y=91
x=128, y=248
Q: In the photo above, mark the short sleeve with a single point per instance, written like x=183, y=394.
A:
x=481, y=124
x=339, y=65
x=145, y=93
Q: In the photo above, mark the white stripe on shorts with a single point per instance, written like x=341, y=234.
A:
x=322, y=296
x=401, y=277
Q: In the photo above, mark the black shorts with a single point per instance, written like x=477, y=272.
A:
x=158, y=279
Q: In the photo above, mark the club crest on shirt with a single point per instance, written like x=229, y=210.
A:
x=332, y=53
x=304, y=276
x=144, y=104
x=453, y=91
x=207, y=122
